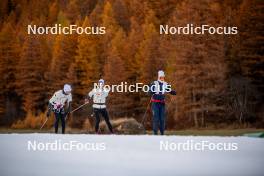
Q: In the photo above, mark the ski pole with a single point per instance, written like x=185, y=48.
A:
x=44, y=123
x=144, y=117
x=79, y=107
x=76, y=109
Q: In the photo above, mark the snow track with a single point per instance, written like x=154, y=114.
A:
x=129, y=155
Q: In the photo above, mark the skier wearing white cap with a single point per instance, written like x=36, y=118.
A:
x=157, y=90
x=99, y=94
x=60, y=104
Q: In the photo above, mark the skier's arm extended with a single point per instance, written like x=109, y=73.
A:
x=69, y=102
x=106, y=91
x=172, y=92
x=91, y=93
x=53, y=98
x=69, y=108
x=50, y=105
x=89, y=96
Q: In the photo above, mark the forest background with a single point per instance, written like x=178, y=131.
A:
x=218, y=78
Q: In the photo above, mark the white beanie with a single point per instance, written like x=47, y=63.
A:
x=67, y=88
x=161, y=74
x=101, y=81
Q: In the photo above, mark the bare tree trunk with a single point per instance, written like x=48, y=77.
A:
x=240, y=117
x=202, y=119
x=194, y=112
x=195, y=120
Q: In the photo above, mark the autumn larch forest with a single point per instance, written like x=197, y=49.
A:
x=218, y=78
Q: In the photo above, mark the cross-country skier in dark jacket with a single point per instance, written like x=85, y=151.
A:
x=157, y=90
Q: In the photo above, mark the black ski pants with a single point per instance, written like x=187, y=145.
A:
x=104, y=113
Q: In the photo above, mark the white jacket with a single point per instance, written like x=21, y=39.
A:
x=59, y=98
x=158, y=89
x=99, y=97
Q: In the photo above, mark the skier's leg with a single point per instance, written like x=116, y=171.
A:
x=56, y=124
x=97, y=119
x=162, y=118
x=106, y=117
x=155, y=111
x=62, y=123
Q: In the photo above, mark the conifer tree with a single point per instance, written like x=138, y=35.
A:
x=148, y=55
x=63, y=54
x=30, y=75
x=195, y=66
x=85, y=69
x=115, y=73
x=53, y=12
x=108, y=21
x=9, y=56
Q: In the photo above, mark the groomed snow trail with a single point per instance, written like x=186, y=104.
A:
x=128, y=155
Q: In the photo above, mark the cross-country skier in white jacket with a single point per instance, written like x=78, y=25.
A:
x=99, y=95
x=60, y=104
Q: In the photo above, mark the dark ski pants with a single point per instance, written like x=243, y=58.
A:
x=60, y=117
x=104, y=113
x=158, y=110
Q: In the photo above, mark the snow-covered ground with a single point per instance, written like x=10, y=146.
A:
x=128, y=155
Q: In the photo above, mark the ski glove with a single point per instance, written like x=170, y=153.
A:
x=173, y=92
